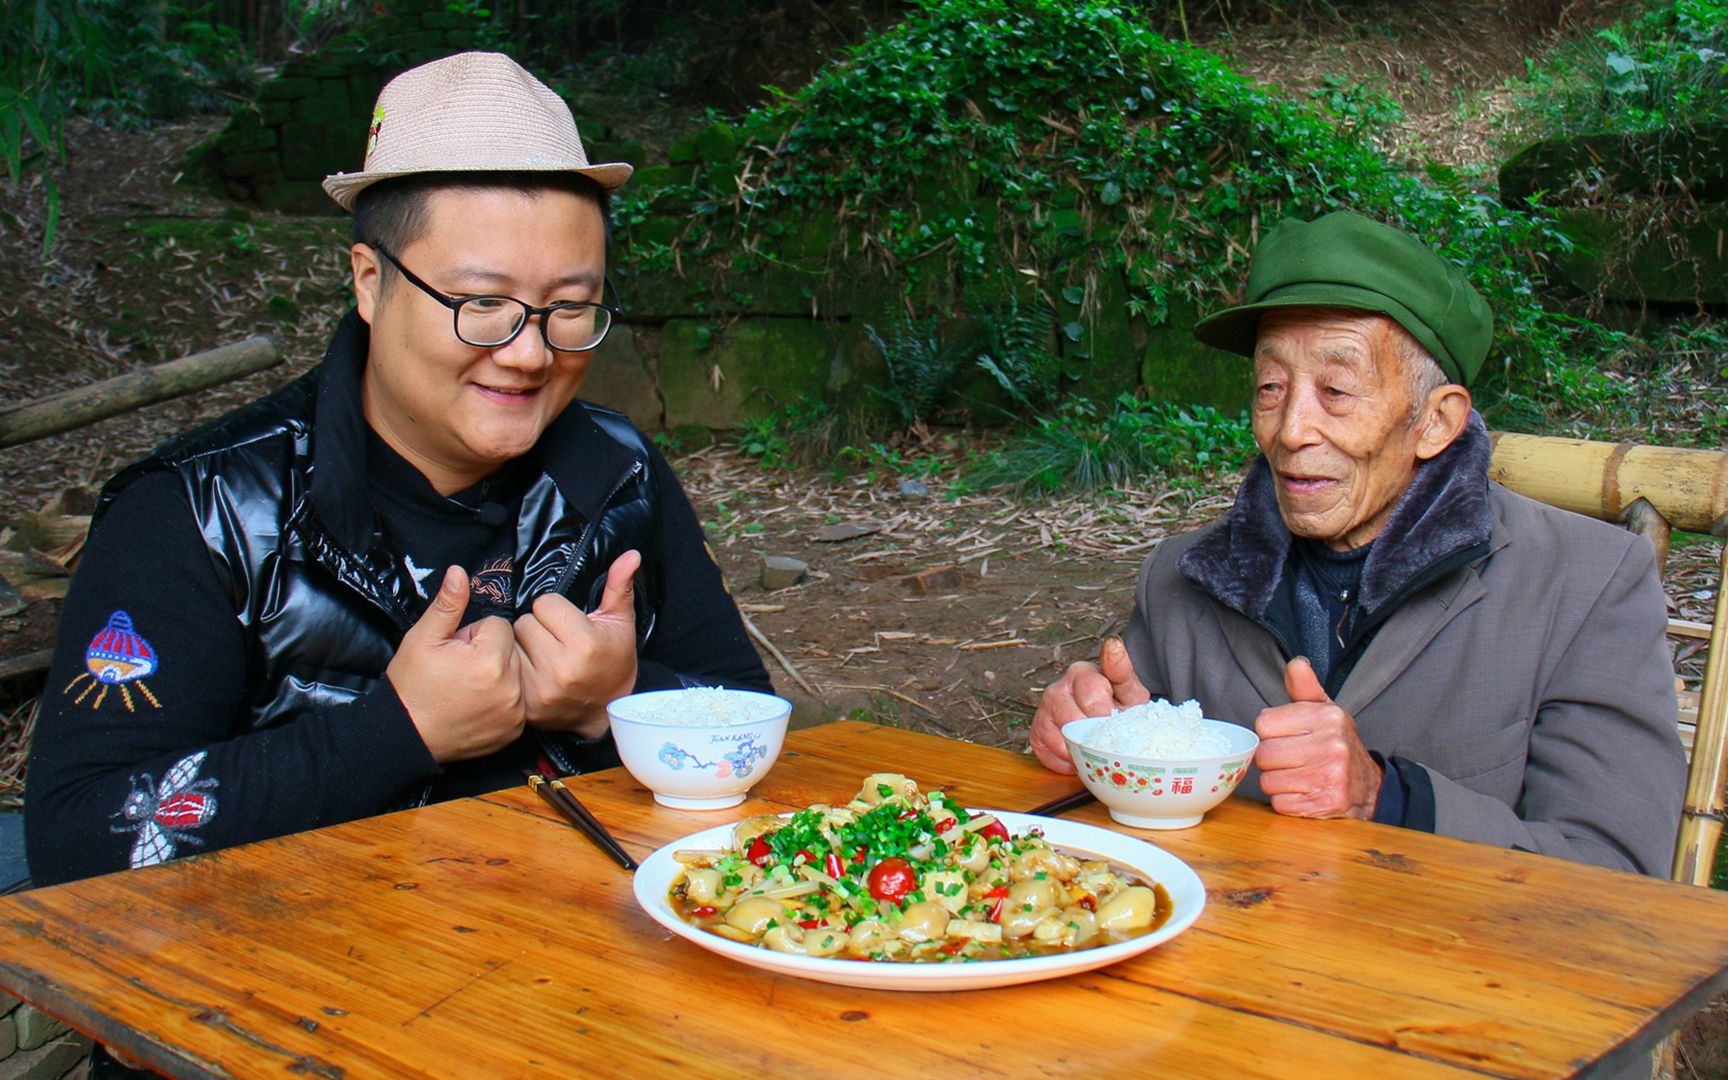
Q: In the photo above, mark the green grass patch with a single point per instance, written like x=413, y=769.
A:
x=1087, y=449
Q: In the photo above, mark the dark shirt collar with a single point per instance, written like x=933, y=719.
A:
x=578, y=456
x=1445, y=512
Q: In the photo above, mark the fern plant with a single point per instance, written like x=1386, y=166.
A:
x=920, y=367
x=1018, y=356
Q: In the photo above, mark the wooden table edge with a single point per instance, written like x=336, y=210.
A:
x=91, y=1020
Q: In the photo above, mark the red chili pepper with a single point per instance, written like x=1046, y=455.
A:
x=1088, y=903
x=907, y=815
x=858, y=856
x=808, y=858
x=809, y=924
x=704, y=911
x=946, y=823
x=996, y=909
x=997, y=893
x=759, y=852
x=892, y=879
x=831, y=866
x=994, y=831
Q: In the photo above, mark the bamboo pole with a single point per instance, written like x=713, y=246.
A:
x=1701, y=820
x=1689, y=488
x=83, y=405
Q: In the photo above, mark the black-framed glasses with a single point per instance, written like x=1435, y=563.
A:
x=490, y=322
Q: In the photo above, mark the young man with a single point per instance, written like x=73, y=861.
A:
x=413, y=572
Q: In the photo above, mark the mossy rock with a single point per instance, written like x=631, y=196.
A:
x=1651, y=254
x=722, y=379
x=1179, y=369
x=312, y=151
x=1695, y=160
x=241, y=165
x=654, y=295
x=277, y=192
x=1108, y=356
x=324, y=110
x=241, y=139
x=287, y=88
x=664, y=229
x=619, y=377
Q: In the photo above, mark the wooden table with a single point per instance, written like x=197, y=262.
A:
x=488, y=938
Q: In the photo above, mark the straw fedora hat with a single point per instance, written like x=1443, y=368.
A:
x=472, y=112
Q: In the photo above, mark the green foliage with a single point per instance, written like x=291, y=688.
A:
x=1063, y=142
x=102, y=59
x=1081, y=450
x=1666, y=69
x=810, y=433
x=1666, y=386
x=1360, y=108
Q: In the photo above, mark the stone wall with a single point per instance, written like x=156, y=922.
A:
x=706, y=345
x=701, y=347
x=1648, y=213
x=35, y=1046
x=310, y=120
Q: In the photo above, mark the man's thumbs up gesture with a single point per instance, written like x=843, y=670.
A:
x=460, y=686
x=1311, y=762
x=1084, y=690
x=573, y=663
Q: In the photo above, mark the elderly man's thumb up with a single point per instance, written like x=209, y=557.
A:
x=1312, y=764
x=1084, y=690
x=459, y=683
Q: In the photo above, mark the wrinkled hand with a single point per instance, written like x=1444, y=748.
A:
x=1311, y=762
x=460, y=686
x=574, y=663
x=1084, y=690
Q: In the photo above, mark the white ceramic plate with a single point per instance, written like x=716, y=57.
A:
x=1187, y=897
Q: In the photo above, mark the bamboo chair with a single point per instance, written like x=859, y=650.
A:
x=1651, y=490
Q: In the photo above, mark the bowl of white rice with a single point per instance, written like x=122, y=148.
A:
x=1158, y=765
x=699, y=748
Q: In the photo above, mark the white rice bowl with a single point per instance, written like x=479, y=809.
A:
x=1158, y=765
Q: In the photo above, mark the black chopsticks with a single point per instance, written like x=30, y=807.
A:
x=1066, y=802
x=554, y=792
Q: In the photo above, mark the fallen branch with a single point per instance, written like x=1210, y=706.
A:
x=791, y=669
x=69, y=409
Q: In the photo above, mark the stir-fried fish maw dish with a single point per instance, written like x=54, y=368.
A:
x=900, y=875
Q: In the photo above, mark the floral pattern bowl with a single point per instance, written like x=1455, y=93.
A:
x=1160, y=793
x=701, y=748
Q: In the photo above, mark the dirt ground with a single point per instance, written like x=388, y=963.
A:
x=945, y=615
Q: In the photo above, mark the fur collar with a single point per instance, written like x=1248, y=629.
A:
x=1239, y=560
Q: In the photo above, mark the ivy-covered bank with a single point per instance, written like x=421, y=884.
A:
x=993, y=206
x=992, y=167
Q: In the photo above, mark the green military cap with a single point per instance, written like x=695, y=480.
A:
x=1345, y=260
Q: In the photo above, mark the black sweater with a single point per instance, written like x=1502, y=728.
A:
x=155, y=766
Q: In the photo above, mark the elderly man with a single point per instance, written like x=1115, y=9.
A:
x=1413, y=643
x=417, y=570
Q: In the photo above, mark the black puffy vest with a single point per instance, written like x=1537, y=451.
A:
x=278, y=489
